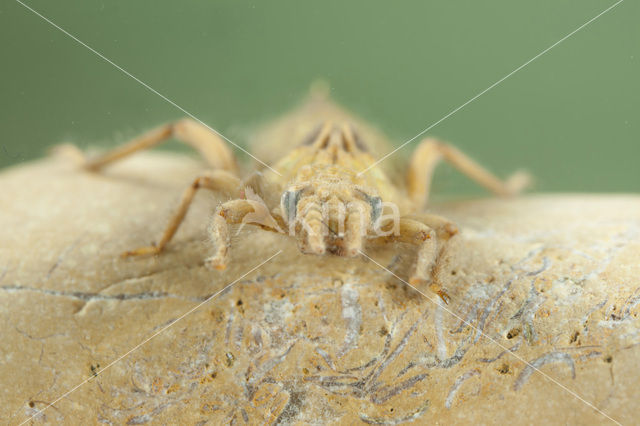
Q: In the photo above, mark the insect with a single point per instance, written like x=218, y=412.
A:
x=327, y=192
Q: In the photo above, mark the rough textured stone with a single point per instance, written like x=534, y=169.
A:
x=305, y=339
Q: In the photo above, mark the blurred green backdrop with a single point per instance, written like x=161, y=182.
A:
x=571, y=117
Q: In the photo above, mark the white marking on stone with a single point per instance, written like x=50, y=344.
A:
x=352, y=314
x=456, y=386
x=438, y=322
x=539, y=362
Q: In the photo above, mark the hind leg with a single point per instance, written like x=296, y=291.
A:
x=430, y=152
x=208, y=143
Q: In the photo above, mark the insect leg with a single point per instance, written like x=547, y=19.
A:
x=217, y=180
x=208, y=143
x=430, y=152
x=231, y=212
x=445, y=229
x=425, y=238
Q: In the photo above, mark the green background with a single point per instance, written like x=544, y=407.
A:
x=571, y=117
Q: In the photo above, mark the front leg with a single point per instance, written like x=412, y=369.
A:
x=425, y=238
x=445, y=229
x=236, y=212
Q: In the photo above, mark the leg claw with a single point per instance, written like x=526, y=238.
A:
x=436, y=288
x=444, y=296
x=216, y=263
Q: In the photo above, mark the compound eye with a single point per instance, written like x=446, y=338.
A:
x=376, y=208
x=289, y=204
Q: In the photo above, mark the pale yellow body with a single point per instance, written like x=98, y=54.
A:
x=322, y=186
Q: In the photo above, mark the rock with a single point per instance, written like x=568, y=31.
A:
x=542, y=326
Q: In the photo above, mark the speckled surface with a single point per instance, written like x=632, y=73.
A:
x=306, y=339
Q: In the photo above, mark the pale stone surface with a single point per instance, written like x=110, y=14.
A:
x=307, y=339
